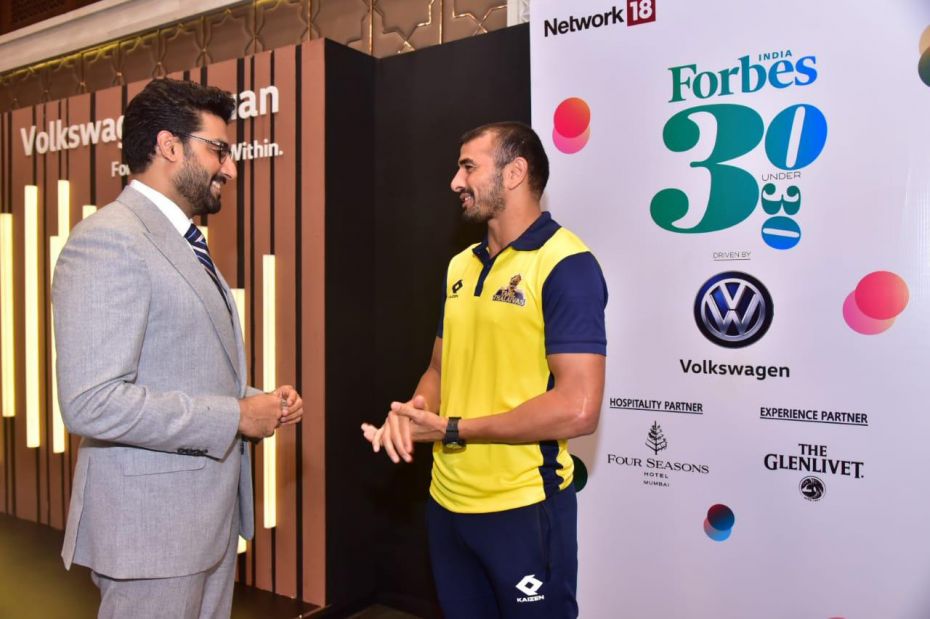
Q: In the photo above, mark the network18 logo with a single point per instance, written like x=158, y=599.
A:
x=793, y=140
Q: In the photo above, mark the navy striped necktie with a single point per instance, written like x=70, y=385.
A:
x=199, y=245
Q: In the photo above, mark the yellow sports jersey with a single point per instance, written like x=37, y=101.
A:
x=543, y=294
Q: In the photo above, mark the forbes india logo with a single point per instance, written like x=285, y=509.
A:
x=733, y=309
x=792, y=141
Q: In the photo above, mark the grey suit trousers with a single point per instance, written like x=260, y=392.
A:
x=205, y=595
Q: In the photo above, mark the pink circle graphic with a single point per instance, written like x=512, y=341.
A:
x=881, y=295
x=859, y=322
x=572, y=117
x=570, y=146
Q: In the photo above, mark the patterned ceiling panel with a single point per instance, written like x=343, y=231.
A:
x=377, y=27
x=179, y=45
x=405, y=25
x=65, y=78
x=345, y=21
x=280, y=23
x=29, y=87
x=100, y=68
x=140, y=58
x=467, y=18
x=228, y=34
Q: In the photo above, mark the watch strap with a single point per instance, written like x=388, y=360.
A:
x=452, y=439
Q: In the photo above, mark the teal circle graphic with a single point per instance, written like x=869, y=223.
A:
x=581, y=474
x=781, y=232
x=719, y=522
x=923, y=67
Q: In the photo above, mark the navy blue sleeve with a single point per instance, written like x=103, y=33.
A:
x=574, y=297
x=442, y=306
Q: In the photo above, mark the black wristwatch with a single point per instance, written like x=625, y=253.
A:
x=451, y=439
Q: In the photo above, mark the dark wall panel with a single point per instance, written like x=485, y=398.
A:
x=425, y=101
x=350, y=329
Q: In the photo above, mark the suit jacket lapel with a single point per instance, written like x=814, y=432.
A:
x=178, y=252
x=237, y=332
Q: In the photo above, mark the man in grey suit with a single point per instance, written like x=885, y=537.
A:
x=151, y=372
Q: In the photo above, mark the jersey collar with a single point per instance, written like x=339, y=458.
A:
x=532, y=238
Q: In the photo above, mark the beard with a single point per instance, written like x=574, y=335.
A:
x=485, y=206
x=195, y=184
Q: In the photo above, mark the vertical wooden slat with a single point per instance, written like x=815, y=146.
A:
x=223, y=226
x=285, y=248
x=48, y=194
x=26, y=481
x=5, y=144
x=109, y=105
x=312, y=275
x=249, y=282
x=79, y=176
x=260, y=173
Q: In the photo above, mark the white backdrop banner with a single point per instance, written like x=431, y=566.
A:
x=754, y=178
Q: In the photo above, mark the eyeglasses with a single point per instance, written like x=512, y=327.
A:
x=221, y=149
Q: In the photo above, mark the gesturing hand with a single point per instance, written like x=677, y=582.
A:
x=259, y=415
x=425, y=426
x=292, y=405
x=397, y=434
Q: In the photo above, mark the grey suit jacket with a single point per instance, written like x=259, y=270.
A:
x=150, y=367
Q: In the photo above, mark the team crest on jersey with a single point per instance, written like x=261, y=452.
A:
x=510, y=293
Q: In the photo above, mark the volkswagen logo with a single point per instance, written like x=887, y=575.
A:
x=733, y=309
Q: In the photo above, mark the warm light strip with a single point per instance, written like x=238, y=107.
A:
x=7, y=352
x=238, y=295
x=88, y=210
x=31, y=259
x=55, y=243
x=206, y=233
x=269, y=370
x=64, y=209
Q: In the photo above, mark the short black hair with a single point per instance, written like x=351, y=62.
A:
x=515, y=139
x=168, y=105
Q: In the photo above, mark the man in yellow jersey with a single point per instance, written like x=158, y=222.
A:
x=517, y=369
